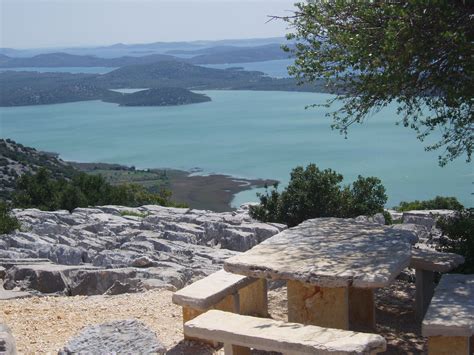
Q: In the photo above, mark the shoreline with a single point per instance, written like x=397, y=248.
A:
x=213, y=192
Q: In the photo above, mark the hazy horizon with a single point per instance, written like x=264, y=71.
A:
x=42, y=24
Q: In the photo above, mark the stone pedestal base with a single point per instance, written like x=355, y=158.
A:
x=325, y=307
x=424, y=292
x=361, y=309
x=236, y=350
x=253, y=299
x=440, y=345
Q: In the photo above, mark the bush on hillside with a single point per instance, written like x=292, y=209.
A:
x=43, y=192
x=8, y=223
x=313, y=193
x=438, y=203
x=460, y=233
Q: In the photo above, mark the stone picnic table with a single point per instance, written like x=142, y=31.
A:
x=331, y=267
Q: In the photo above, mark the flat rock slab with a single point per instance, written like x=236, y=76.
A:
x=10, y=294
x=210, y=290
x=119, y=337
x=329, y=252
x=271, y=335
x=451, y=311
x=430, y=260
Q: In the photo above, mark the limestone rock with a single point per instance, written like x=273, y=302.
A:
x=143, y=261
x=95, y=248
x=119, y=337
x=7, y=342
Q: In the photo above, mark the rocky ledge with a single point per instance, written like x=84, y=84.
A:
x=113, y=249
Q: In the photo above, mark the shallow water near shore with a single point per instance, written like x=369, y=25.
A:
x=247, y=134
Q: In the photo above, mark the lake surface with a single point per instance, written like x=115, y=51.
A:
x=274, y=68
x=250, y=134
x=74, y=70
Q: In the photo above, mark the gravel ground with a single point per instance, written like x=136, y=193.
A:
x=43, y=325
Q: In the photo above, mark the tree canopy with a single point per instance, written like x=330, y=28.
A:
x=313, y=193
x=417, y=54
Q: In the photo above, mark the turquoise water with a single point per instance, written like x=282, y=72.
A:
x=74, y=70
x=274, y=68
x=241, y=133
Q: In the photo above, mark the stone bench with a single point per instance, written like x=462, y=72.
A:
x=240, y=333
x=449, y=321
x=226, y=292
x=426, y=263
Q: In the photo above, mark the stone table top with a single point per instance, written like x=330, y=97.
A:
x=451, y=311
x=329, y=252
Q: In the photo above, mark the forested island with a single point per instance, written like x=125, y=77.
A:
x=174, y=79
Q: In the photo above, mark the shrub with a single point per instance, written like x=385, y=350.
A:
x=438, y=203
x=8, y=223
x=313, y=193
x=460, y=233
x=46, y=193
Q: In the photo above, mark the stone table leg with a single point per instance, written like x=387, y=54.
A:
x=253, y=299
x=230, y=349
x=361, y=309
x=424, y=292
x=325, y=307
x=440, y=345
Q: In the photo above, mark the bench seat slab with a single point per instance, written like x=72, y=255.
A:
x=271, y=335
x=205, y=293
x=451, y=311
x=325, y=307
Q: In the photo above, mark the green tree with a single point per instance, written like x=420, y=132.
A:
x=417, y=54
x=460, y=232
x=313, y=193
x=8, y=223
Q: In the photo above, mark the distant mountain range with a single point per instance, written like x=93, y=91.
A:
x=120, y=49
x=211, y=55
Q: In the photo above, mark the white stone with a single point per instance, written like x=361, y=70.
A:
x=328, y=252
x=451, y=311
x=425, y=259
x=210, y=290
x=271, y=335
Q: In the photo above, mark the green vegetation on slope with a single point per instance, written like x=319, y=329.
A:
x=313, y=193
x=8, y=223
x=16, y=160
x=438, y=203
x=42, y=191
x=30, y=178
x=460, y=230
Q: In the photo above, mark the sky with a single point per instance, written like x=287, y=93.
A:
x=58, y=23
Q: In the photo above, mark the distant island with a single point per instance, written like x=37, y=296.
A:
x=210, y=55
x=19, y=88
x=158, y=97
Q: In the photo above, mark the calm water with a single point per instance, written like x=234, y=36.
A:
x=74, y=70
x=274, y=68
x=242, y=133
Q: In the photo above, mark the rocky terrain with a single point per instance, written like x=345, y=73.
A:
x=93, y=254
x=114, y=249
